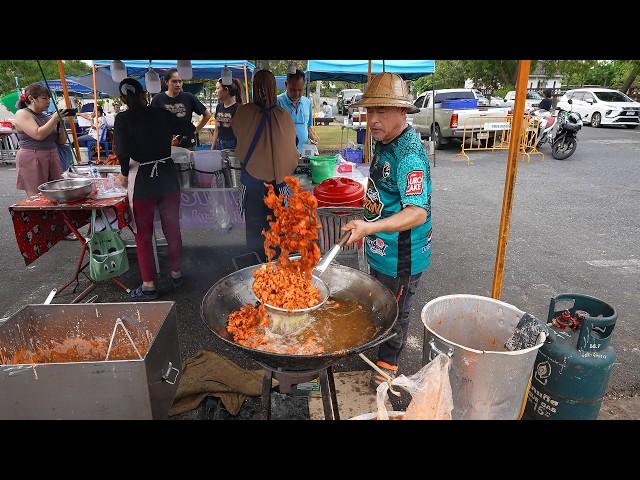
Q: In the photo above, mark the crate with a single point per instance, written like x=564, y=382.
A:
x=460, y=103
x=354, y=155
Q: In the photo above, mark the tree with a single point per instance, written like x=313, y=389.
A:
x=489, y=75
x=28, y=72
x=634, y=68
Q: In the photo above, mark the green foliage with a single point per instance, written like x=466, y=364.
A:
x=28, y=72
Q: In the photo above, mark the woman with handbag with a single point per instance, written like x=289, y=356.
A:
x=39, y=135
x=143, y=145
x=266, y=141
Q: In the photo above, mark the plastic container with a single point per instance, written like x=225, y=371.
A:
x=339, y=192
x=322, y=167
x=488, y=382
x=354, y=155
x=207, y=164
x=84, y=154
x=460, y=103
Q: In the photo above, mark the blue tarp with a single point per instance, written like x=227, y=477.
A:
x=72, y=86
x=355, y=71
x=280, y=79
x=202, y=69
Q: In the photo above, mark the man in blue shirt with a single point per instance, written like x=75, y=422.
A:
x=397, y=206
x=299, y=107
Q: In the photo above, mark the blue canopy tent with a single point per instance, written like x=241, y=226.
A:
x=202, y=69
x=356, y=71
x=280, y=79
x=72, y=86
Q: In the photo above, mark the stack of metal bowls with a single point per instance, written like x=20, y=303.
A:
x=232, y=168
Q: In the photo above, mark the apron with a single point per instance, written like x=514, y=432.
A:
x=131, y=183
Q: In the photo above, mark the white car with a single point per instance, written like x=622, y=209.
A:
x=602, y=106
x=531, y=102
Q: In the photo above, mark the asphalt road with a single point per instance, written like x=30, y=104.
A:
x=575, y=228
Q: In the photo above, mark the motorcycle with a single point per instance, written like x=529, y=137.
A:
x=560, y=132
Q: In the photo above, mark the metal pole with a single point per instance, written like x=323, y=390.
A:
x=367, y=141
x=433, y=109
x=246, y=84
x=510, y=178
x=95, y=115
x=67, y=101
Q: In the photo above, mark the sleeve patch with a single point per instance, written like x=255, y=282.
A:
x=415, y=183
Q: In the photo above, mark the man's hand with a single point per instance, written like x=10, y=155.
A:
x=313, y=137
x=359, y=230
x=123, y=181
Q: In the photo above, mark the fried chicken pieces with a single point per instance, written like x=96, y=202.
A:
x=286, y=283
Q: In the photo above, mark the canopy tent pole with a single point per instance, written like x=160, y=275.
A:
x=246, y=84
x=367, y=141
x=433, y=109
x=95, y=114
x=67, y=101
x=524, y=67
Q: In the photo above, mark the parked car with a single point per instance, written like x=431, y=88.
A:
x=531, y=102
x=449, y=123
x=602, y=106
x=345, y=98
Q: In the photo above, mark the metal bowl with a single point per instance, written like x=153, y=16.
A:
x=67, y=190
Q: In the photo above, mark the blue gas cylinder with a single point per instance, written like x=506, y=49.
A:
x=571, y=373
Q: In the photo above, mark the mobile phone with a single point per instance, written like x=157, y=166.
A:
x=68, y=112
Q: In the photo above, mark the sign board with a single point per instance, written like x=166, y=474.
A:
x=493, y=126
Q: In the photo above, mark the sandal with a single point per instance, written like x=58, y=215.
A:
x=377, y=379
x=141, y=295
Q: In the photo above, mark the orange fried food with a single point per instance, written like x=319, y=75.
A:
x=286, y=283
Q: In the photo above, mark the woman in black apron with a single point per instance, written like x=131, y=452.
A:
x=142, y=136
x=266, y=141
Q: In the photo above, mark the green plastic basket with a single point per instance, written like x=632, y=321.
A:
x=322, y=167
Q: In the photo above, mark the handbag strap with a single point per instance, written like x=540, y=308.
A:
x=258, y=134
x=105, y=220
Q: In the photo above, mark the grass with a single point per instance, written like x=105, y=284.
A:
x=330, y=137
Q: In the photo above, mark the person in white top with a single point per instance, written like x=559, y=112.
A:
x=328, y=111
x=92, y=134
x=111, y=117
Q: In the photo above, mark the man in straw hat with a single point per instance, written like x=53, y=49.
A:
x=397, y=205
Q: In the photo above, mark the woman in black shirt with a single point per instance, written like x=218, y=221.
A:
x=142, y=136
x=229, y=97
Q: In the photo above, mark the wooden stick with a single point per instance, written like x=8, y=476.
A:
x=510, y=177
x=67, y=100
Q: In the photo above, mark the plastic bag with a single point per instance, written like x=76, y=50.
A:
x=430, y=389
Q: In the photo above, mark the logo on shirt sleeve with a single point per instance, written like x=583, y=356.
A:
x=415, y=182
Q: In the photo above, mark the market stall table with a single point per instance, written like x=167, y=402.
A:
x=39, y=224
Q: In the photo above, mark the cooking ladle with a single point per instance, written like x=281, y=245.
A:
x=286, y=322
x=324, y=262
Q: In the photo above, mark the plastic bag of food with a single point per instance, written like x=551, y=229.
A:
x=430, y=389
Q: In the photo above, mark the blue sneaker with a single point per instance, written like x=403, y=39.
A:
x=141, y=295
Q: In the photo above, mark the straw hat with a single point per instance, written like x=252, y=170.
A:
x=386, y=90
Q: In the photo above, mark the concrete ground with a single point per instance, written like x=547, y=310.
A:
x=574, y=228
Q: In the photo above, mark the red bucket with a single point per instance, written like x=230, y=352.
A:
x=339, y=192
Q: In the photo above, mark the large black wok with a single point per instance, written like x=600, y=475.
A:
x=234, y=291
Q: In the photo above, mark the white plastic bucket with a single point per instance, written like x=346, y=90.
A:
x=488, y=381
x=84, y=154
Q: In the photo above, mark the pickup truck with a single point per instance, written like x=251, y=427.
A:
x=449, y=123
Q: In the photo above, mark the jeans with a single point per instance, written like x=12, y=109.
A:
x=403, y=288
